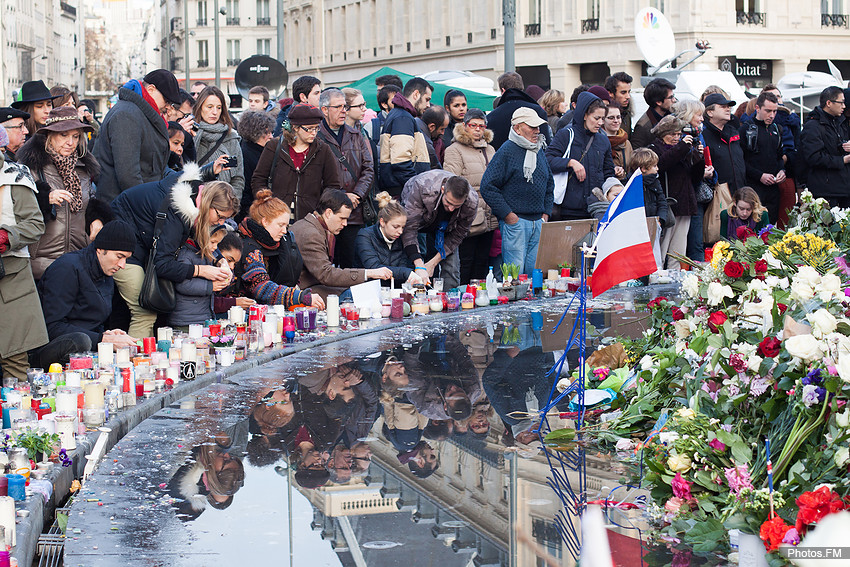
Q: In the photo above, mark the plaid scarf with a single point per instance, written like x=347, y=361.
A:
x=67, y=171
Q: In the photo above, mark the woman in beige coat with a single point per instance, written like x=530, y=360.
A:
x=468, y=157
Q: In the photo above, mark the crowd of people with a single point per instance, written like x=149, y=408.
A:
x=293, y=200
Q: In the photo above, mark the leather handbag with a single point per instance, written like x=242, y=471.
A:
x=704, y=193
x=157, y=294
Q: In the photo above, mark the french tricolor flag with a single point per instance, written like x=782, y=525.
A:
x=623, y=248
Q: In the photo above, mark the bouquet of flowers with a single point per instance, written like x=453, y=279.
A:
x=758, y=352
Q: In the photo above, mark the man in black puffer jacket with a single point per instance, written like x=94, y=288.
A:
x=762, y=143
x=826, y=149
x=513, y=97
x=724, y=142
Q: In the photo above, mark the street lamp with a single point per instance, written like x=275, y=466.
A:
x=186, y=38
x=216, y=12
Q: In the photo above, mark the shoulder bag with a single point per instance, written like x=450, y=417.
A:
x=208, y=155
x=157, y=294
x=370, y=216
x=562, y=178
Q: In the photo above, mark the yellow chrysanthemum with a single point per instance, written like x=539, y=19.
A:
x=720, y=253
x=813, y=249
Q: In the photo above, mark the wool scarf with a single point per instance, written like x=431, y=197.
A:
x=529, y=164
x=67, y=171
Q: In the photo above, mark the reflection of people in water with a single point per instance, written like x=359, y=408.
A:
x=345, y=463
x=476, y=425
x=276, y=413
x=445, y=378
x=211, y=477
x=422, y=460
x=274, y=410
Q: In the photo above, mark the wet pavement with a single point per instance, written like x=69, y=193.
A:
x=406, y=446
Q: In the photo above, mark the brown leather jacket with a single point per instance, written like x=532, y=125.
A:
x=300, y=189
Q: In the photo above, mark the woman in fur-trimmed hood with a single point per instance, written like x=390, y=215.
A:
x=189, y=211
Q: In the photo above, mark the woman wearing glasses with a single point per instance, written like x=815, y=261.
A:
x=468, y=156
x=680, y=169
x=355, y=106
x=621, y=148
x=216, y=137
x=296, y=167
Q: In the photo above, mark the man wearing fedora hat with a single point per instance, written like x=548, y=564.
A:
x=132, y=146
x=15, y=123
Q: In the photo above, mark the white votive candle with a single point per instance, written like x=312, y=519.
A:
x=105, y=355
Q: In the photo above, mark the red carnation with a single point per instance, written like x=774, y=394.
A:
x=709, y=254
x=677, y=313
x=769, y=347
x=734, y=269
x=656, y=302
x=816, y=504
x=715, y=320
x=782, y=308
x=761, y=266
x=772, y=532
x=744, y=232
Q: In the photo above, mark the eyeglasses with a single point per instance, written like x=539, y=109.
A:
x=839, y=102
x=476, y=126
x=310, y=129
x=175, y=108
x=19, y=126
x=267, y=400
x=338, y=106
x=361, y=106
x=221, y=217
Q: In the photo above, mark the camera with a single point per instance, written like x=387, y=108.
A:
x=690, y=130
x=195, y=126
x=231, y=161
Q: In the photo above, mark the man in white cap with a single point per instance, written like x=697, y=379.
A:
x=520, y=190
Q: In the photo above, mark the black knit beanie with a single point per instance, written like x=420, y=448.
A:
x=116, y=235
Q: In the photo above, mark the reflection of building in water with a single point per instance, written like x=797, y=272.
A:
x=462, y=509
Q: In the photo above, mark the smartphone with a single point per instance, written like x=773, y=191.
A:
x=231, y=161
x=195, y=126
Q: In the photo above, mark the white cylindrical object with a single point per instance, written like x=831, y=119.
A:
x=13, y=399
x=188, y=352
x=173, y=372
x=164, y=334
x=72, y=379
x=7, y=519
x=94, y=395
x=196, y=331
x=66, y=401
x=48, y=423
x=65, y=430
x=333, y=310
x=122, y=356
x=105, y=355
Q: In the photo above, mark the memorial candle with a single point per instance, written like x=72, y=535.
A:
x=105, y=355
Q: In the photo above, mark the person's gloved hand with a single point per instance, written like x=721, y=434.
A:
x=4, y=240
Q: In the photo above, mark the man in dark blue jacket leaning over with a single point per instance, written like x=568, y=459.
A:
x=519, y=188
x=132, y=146
x=76, y=295
x=513, y=97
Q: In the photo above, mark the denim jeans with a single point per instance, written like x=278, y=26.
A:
x=519, y=243
x=696, y=248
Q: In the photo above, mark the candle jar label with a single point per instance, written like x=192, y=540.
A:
x=187, y=370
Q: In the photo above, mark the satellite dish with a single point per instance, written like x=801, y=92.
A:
x=654, y=37
x=261, y=70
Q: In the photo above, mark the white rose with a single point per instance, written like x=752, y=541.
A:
x=646, y=362
x=804, y=347
x=829, y=288
x=843, y=419
x=683, y=329
x=668, y=437
x=808, y=275
x=823, y=323
x=691, y=285
x=717, y=292
x=624, y=444
x=843, y=366
x=771, y=261
x=753, y=362
x=801, y=291
x=842, y=455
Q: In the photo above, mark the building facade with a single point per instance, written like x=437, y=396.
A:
x=559, y=43
x=246, y=27
x=41, y=39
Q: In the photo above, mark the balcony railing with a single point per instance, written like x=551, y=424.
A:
x=233, y=62
x=69, y=10
x=591, y=25
x=232, y=21
x=203, y=63
x=834, y=20
x=751, y=18
x=201, y=22
x=264, y=21
x=532, y=29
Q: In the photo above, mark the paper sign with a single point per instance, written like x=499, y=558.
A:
x=367, y=294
